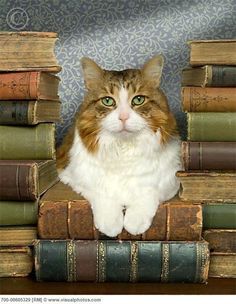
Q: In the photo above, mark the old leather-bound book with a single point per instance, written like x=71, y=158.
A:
x=197, y=99
x=221, y=240
x=65, y=214
x=26, y=180
x=27, y=51
x=18, y=235
x=116, y=261
x=222, y=265
x=207, y=185
x=208, y=155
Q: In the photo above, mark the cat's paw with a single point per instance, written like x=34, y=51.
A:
x=136, y=222
x=111, y=225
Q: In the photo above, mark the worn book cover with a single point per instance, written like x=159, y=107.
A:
x=221, y=240
x=18, y=235
x=222, y=265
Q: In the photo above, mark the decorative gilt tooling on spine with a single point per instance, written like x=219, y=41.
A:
x=134, y=262
x=101, y=261
x=71, y=262
x=165, y=262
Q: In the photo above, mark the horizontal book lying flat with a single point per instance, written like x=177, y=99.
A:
x=222, y=265
x=116, y=261
x=211, y=126
x=26, y=180
x=197, y=99
x=65, y=214
x=27, y=142
x=210, y=76
x=207, y=185
x=32, y=112
x=208, y=155
x=221, y=52
x=18, y=235
x=28, y=85
x=18, y=213
x=27, y=51
x=15, y=261
x=221, y=240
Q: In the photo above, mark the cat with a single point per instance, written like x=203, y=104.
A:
x=123, y=150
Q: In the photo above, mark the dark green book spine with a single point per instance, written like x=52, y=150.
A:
x=18, y=213
x=13, y=112
x=219, y=216
x=127, y=261
x=214, y=126
x=223, y=76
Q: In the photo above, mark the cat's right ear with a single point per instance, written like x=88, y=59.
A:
x=92, y=72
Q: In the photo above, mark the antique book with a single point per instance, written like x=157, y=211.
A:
x=213, y=126
x=219, y=215
x=26, y=180
x=221, y=52
x=30, y=112
x=18, y=235
x=14, y=213
x=222, y=265
x=64, y=214
x=27, y=51
x=207, y=185
x=29, y=85
x=27, y=142
x=197, y=99
x=221, y=240
x=208, y=155
x=15, y=261
x=126, y=261
x=209, y=76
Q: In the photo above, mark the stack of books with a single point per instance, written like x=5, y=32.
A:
x=209, y=154
x=29, y=108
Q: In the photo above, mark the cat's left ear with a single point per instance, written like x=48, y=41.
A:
x=152, y=69
x=92, y=72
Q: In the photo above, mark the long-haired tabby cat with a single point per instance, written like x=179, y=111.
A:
x=123, y=150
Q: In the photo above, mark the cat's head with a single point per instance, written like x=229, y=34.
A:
x=123, y=103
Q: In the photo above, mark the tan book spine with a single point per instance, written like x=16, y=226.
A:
x=221, y=240
x=222, y=265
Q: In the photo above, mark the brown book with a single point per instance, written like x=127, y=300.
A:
x=197, y=99
x=26, y=180
x=64, y=214
x=203, y=52
x=27, y=51
x=207, y=185
x=208, y=155
x=29, y=85
x=221, y=240
x=222, y=265
x=17, y=235
x=15, y=261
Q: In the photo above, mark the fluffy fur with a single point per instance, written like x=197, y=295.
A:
x=122, y=158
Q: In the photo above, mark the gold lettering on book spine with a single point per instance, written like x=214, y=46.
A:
x=134, y=262
x=165, y=262
x=71, y=262
x=198, y=263
x=101, y=261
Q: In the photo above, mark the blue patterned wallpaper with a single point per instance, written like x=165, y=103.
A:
x=120, y=34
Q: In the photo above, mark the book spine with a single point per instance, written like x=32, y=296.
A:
x=128, y=261
x=223, y=76
x=18, y=213
x=14, y=113
x=33, y=142
x=205, y=126
x=209, y=155
x=223, y=265
x=219, y=216
x=198, y=99
x=19, y=86
x=75, y=221
x=221, y=240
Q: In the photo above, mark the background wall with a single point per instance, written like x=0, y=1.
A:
x=120, y=34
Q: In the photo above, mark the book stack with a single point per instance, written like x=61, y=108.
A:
x=209, y=154
x=29, y=108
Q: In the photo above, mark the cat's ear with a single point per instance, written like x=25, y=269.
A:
x=152, y=70
x=92, y=72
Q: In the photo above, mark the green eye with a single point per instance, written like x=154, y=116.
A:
x=108, y=101
x=138, y=100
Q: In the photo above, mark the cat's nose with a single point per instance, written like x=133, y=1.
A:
x=123, y=116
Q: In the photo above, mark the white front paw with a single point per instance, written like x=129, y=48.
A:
x=109, y=224
x=136, y=222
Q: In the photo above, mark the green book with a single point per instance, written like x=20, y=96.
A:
x=219, y=216
x=31, y=142
x=127, y=261
x=213, y=126
x=18, y=213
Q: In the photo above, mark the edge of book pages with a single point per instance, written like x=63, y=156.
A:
x=212, y=41
x=30, y=33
